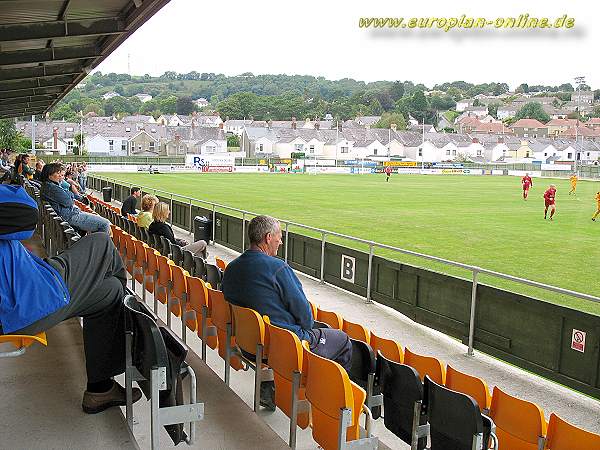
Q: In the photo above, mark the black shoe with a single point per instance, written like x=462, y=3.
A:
x=94, y=402
x=267, y=395
x=593, y=220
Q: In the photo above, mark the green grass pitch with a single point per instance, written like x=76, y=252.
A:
x=478, y=220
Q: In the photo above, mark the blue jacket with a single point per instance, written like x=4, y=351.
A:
x=270, y=287
x=59, y=199
x=30, y=289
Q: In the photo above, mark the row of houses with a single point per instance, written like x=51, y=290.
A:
x=358, y=144
x=122, y=138
x=555, y=128
x=582, y=101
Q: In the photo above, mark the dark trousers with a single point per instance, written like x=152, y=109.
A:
x=331, y=344
x=94, y=274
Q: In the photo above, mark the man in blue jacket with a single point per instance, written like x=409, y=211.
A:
x=87, y=280
x=259, y=280
x=53, y=175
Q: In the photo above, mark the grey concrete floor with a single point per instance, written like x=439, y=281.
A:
x=40, y=398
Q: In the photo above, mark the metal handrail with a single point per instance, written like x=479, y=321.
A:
x=475, y=270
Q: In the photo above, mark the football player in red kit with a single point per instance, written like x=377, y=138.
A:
x=549, y=201
x=388, y=172
x=527, y=182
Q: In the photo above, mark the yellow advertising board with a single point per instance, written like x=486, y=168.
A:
x=400, y=163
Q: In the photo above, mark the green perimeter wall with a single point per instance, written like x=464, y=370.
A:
x=521, y=330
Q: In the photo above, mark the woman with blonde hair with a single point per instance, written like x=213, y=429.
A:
x=160, y=213
x=144, y=218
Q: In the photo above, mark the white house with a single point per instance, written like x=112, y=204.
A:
x=463, y=104
x=55, y=145
x=143, y=97
x=201, y=102
x=96, y=145
x=110, y=95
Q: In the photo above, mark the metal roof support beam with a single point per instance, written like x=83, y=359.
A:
x=44, y=55
x=39, y=83
x=50, y=90
x=61, y=29
x=24, y=73
x=24, y=105
x=28, y=98
x=22, y=114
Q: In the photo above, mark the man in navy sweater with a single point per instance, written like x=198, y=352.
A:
x=259, y=280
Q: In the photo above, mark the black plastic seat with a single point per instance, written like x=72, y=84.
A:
x=165, y=246
x=455, y=421
x=401, y=388
x=188, y=262
x=176, y=253
x=362, y=371
x=200, y=268
x=214, y=276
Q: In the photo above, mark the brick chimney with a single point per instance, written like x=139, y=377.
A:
x=55, y=138
x=393, y=126
x=269, y=124
x=500, y=139
x=317, y=125
x=293, y=123
x=221, y=125
x=475, y=140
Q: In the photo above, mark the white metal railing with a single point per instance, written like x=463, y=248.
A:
x=475, y=271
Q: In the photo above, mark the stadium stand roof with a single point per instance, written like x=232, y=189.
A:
x=48, y=46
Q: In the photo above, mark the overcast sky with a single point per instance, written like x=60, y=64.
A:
x=322, y=38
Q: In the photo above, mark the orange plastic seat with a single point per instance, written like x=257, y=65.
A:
x=251, y=345
x=426, y=365
x=21, y=342
x=564, y=436
x=116, y=235
x=220, y=263
x=151, y=274
x=220, y=313
x=285, y=358
x=520, y=424
x=179, y=296
x=130, y=257
x=139, y=265
x=356, y=331
x=336, y=403
x=313, y=309
x=388, y=348
x=333, y=319
x=470, y=385
x=198, y=302
x=164, y=283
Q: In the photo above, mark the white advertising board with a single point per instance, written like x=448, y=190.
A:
x=209, y=160
x=563, y=167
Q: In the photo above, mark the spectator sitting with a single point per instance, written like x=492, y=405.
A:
x=83, y=178
x=85, y=280
x=144, y=218
x=128, y=206
x=160, y=214
x=74, y=187
x=260, y=281
x=39, y=165
x=62, y=201
x=22, y=166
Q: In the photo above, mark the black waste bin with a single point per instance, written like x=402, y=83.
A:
x=202, y=228
x=107, y=194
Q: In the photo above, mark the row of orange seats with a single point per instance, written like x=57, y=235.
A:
x=520, y=424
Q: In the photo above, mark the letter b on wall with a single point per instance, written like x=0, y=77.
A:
x=348, y=268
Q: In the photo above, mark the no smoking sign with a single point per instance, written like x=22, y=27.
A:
x=578, y=340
